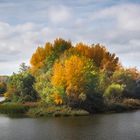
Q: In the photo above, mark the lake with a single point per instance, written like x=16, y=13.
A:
x=122, y=126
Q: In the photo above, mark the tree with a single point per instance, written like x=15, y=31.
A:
x=44, y=87
x=58, y=78
x=129, y=78
x=60, y=45
x=23, y=68
x=103, y=59
x=38, y=58
x=20, y=88
x=77, y=75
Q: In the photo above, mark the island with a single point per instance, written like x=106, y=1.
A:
x=66, y=79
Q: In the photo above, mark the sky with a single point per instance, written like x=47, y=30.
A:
x=27, y=24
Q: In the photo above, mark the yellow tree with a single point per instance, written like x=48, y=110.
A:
x=76, y=75
x=58, y=78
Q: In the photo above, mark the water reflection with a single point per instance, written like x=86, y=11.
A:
x=123, y=126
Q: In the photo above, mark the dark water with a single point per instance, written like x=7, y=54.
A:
x=123, y=126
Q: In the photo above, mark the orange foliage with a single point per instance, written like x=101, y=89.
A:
x=100, y=56
x=57, y=98
x=70, y=74
x=48, y=48
x=74, y=75
x=58, y=72
x=37, y=59
x=83, y=49
x=134, y=73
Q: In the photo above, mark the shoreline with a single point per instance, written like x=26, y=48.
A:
x=36, y=111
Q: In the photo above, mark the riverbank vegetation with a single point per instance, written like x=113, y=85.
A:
x=3, y=84
x=73, y=79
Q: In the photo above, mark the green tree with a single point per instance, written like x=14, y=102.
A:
x=129, y=78
x=20, y=87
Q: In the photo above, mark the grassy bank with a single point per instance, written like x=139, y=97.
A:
x=13, y=109
x=125, y=105
x=56, y=111
x=36, y=110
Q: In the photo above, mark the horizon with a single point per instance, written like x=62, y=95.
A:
x=115, y=24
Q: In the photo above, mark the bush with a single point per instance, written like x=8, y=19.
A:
x=114, y=91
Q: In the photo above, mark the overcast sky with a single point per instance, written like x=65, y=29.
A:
x=26, y=24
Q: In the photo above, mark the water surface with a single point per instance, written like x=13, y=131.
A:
x=123, y=126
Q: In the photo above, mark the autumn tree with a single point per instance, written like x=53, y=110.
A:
x=59, y=47
x=77, y=75
x=103, y=59
x=44, y=57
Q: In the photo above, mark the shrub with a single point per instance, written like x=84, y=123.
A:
x=114, y=91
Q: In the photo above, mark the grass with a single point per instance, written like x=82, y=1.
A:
x=13, y=108
x=56, y=111
x=34, y=109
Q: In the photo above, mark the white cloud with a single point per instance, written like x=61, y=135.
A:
x=59, y=14
x=126, y=16
x=17, y=43
x=116, y=26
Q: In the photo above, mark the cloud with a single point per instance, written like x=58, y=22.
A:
x=18, y=42
x=113, y=24
x=59, y=14
x=126, y=16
